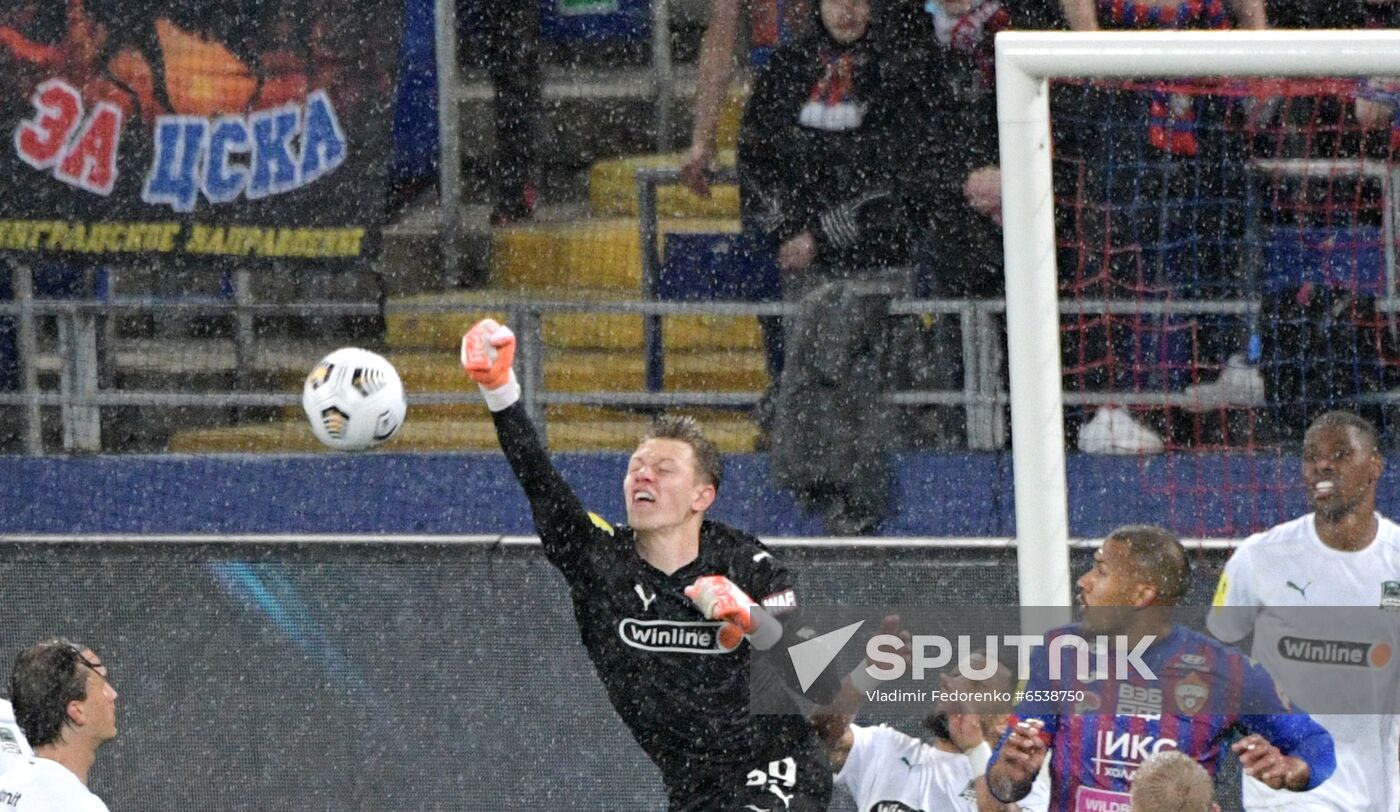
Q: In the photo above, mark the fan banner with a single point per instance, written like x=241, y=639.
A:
x=204, y=128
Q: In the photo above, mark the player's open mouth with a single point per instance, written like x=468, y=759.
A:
x=1323, y=488
x=643, y=496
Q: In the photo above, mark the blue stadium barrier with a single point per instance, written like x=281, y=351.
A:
x=716, y=267
x=1342, y=257
x=416, y=112
x=594, y=20
x=949, y=495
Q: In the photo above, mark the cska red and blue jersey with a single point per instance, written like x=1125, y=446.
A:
x=1200, y=695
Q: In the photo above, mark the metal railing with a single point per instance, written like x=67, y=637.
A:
x=983, y=392
x=80, y=398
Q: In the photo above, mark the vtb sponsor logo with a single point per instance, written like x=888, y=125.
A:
x=686, y=637
x=1118, y=755
x=1334, y=652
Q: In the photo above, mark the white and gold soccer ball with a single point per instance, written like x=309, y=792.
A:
x=354, y=399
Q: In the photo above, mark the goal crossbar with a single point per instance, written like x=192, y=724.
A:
x=1025, y=61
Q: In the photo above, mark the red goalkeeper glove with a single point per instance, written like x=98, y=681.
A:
x=488, y=350
x=721, y=599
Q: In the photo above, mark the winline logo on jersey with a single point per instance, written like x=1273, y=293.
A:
x=687, y=637
x=1334, y=652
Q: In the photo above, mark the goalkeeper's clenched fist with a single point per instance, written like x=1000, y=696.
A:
x=719, y=598
x=488, y=350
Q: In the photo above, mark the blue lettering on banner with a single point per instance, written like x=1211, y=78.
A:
x=274, y=169
x=223, y=181
x=323, y=144
x=180, y=141
x=268, y=152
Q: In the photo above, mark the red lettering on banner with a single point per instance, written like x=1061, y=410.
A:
x=88, y=159
x=91, y=164
x=40, y=140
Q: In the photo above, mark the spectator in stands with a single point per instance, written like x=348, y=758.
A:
x=961, y=38
x=1156, y=182
x=771, y=22
x=1085, y=15
x=1171, y=781
x=507, y=32
x=837, y=162
x=1377, y=103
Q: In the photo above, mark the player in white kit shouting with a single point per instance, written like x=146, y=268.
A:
x=1343, y=554
x=67, y=709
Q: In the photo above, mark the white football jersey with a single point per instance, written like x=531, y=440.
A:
x=1268, y=578
x=43, y=785
x=13, y=747
x=888, y=771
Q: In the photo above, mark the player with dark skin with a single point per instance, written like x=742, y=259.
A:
x=1342, y=554
x=1342, y=464
x=1130, y=591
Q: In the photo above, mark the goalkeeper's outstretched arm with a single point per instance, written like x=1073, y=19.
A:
x=488, y=350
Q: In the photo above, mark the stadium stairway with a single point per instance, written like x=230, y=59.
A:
x=594, y=255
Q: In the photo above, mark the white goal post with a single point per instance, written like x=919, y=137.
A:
x=1025, y=61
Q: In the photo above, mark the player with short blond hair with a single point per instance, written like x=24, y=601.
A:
x=1173, y=782
x=664, y=609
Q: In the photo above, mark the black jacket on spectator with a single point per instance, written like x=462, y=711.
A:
x=967, y=78
x=842, y=141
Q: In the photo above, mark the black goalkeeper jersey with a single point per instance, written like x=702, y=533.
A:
x=685, y=699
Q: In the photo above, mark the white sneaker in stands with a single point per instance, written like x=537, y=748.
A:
x=1115, y=431
x=1239, y=385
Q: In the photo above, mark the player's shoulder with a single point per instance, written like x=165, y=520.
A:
x=734, y=545
x=1296, y=533
x=727, y=535
x=1389, y=533
x=57, y=787
x=883, y=733
x=1075, y=629
x=1202, y=653
x=884, y=743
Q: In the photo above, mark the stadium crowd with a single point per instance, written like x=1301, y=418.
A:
x=1163, y=189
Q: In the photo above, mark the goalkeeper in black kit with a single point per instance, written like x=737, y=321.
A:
x=669, y=607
